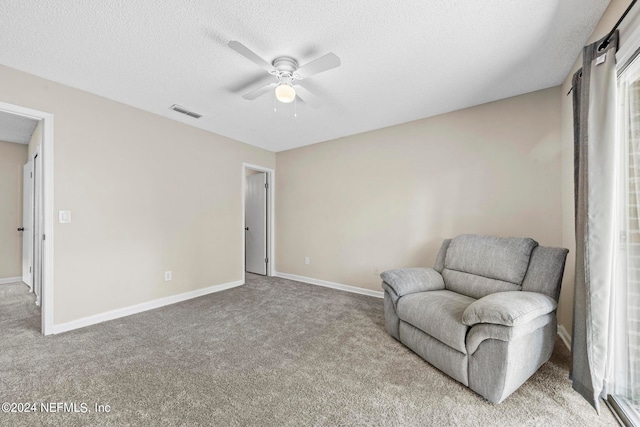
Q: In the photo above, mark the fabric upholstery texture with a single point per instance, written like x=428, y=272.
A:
x=545, y=271
x=428, y=311
x=408, y=280
x=488, y=331
x=475, y=286
x=443, y=357
x=508, y=308
x=484, y=315
x=392, y=294
x=390, y=316
x=442, y=254
x=498, y=368
x=501, y=258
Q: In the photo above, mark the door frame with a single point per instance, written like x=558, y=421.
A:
x=46, y=153
x=271, y=223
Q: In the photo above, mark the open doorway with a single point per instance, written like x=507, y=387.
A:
x=257, y=215
x=27, y=216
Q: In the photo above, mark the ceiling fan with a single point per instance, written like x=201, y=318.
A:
x=287, y=71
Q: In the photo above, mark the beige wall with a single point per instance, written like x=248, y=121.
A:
x=387, y=198
x=611, y=15
x=12, y=159
x=147, y=194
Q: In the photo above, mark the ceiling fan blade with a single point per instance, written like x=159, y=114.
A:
x=307, y=96
x=256, y=93
x=324, y=63
x=250, y=55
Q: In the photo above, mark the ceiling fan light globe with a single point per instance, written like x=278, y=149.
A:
x=285, y=93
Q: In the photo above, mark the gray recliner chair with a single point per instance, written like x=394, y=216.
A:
x=484, y=315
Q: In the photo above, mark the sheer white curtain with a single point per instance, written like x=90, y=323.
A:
x=624, y=369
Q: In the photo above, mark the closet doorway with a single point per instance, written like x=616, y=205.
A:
x=257, y=214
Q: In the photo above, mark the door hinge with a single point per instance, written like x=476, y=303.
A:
x=266, y=260
x=266, y=186
x=44, y=237
x=29, y=269
x=30, y=174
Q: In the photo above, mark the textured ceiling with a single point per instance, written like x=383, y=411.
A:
x=401, y=61
x=15, y=128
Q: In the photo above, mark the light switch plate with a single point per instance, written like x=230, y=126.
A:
x=64, y=217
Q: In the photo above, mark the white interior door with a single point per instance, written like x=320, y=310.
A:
x=255, y=220
x=37, y=228
x=27, y=224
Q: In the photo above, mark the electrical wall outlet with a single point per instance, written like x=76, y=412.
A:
x=167, y=276
x=376, y=271
x=306, y=260
x=64, y=217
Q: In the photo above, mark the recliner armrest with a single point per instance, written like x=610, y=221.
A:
x=405, y=281
x=487, y=331
x=508, y=308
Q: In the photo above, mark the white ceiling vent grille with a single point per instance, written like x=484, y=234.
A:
x=182, y=110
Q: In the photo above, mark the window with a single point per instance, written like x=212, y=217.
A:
x=624, y=371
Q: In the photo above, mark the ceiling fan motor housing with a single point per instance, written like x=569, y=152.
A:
x=285, y=65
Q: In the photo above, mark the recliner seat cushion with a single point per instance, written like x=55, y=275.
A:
x=438, y=314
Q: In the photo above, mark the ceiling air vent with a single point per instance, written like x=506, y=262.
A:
x=182, y=110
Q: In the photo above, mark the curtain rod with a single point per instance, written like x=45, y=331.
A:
x=605, y=43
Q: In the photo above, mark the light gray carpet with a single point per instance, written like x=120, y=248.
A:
x=271, y=353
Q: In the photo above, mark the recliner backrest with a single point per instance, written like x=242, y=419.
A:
x=477, y=266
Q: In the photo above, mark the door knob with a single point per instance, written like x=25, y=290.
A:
x=21, y=229
x=246, y=228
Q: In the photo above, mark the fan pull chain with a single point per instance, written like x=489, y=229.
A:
x=275, y=104
x=295, y=107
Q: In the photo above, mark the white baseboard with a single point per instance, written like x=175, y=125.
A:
x=564, y=335
x=139, y=308
x=332, y=285
x=10, y=280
